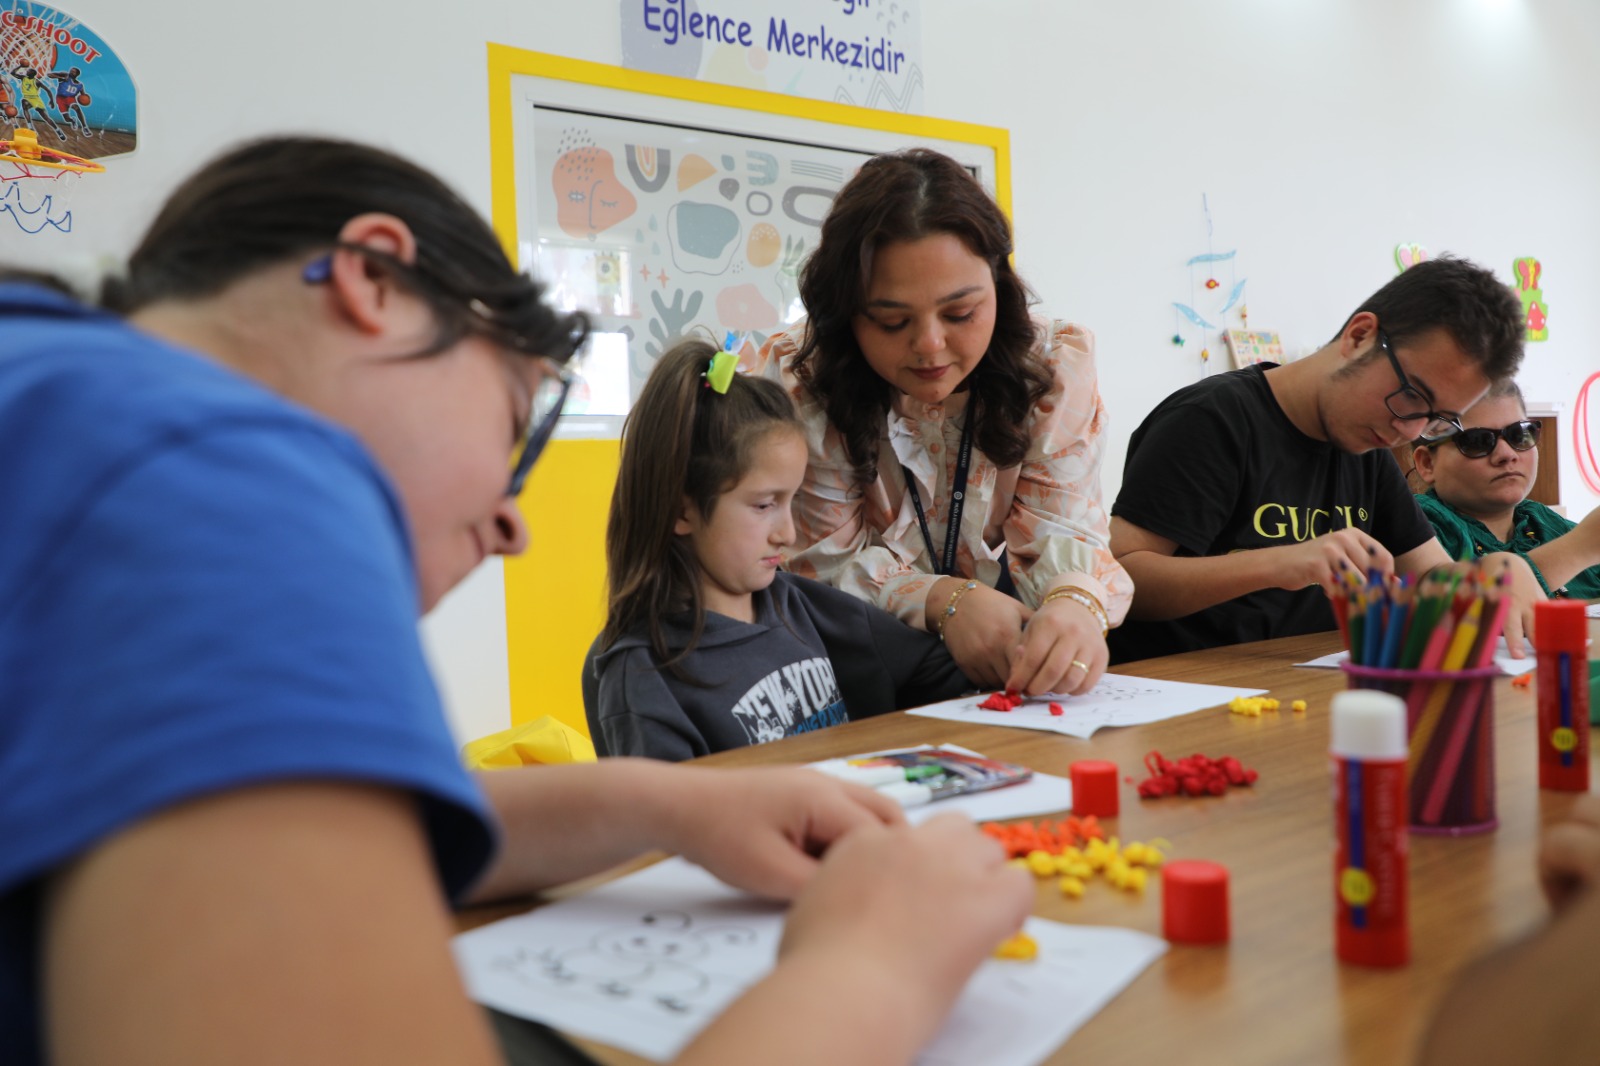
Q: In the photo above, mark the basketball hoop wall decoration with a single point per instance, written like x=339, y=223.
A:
x=66, y=103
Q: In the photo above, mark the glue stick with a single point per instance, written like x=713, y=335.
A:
x=1561, y=638
x=1369, y=753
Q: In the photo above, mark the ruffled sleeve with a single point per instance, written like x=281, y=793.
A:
x=1057, y=530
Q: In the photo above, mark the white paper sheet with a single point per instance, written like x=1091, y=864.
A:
x=1593, y=610
x=646, y=961
x=1502, y=659
x=1117, y=700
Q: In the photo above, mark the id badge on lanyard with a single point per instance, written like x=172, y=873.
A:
x=946, y=564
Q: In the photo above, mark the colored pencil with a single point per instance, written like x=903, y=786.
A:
x=1466, y=715
x=1455, y=657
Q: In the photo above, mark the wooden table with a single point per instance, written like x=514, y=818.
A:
x=1275, y=994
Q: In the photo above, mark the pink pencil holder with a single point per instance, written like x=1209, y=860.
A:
x=1450, y=723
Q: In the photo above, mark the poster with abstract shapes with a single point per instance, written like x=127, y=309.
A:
x=655, y=231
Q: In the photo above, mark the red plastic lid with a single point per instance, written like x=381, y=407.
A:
x=1194, y=901
x=1560, y=625
x=1094, y=788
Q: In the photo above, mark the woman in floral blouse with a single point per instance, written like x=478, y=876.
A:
x=933, y=399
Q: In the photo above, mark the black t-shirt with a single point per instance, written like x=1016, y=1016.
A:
x=1218, y=467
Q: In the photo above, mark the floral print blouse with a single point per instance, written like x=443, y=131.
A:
x=1045, y=514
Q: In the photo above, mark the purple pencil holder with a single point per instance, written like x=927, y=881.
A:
x=1450, y=723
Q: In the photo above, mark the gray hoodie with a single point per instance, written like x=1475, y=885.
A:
x=814, y=657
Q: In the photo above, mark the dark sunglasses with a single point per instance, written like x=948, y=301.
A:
x=1479, y=441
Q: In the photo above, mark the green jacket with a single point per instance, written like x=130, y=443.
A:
x=1532, y=525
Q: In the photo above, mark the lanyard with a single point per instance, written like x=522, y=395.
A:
x=952, y=532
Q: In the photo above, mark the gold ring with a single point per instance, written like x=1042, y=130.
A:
x=1081, y=666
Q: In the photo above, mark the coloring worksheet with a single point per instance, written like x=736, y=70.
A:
x=1116, y=700
x=644, y=962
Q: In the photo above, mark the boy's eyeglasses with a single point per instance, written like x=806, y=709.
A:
x=1479, y=441
x=1408, y=404
x=543, y=413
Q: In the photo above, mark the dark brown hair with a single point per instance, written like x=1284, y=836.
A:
x=682, y=442
x=15, y=275
x=905, y=196
x=282, y=198
x=1479, y=311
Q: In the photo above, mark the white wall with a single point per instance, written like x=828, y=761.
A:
x=1462, y=125
x=1323, y=132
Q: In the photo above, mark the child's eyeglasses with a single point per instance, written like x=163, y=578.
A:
x=1479, y=441
x=543, y=413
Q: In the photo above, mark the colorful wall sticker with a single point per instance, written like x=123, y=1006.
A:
x=1534, y=310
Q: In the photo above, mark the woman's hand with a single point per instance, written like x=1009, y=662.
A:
x=982, y=633
x=1061, y=650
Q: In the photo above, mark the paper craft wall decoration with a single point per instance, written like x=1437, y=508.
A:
x=1249, y=346
x=1534, y=311
x=1407, y=256
x=1210, y=297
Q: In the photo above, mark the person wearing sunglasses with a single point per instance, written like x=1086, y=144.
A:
x=1478, y=483
x=233, y=819
x=1246, y=496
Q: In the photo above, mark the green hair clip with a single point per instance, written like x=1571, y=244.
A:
x=719, y=375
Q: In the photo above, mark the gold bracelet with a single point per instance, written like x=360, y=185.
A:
x=1085, y=599
x=949, y=611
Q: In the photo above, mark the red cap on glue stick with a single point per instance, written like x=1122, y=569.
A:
x=1194, y=902
x=1094, y=788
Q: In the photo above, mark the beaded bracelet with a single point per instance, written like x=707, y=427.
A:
x=1085, y=599
x=949, y=611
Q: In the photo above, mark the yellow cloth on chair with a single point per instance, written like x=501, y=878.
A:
x=541, y=741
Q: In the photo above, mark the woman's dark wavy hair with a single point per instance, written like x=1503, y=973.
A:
x=905, y=196
x=284, y=198
x=682, y=441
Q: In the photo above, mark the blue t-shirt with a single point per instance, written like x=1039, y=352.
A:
x=202, y=587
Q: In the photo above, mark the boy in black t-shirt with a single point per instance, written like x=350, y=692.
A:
x=1244, y=493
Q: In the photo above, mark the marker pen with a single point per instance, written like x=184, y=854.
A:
x=909, y=787
x=870, y=776
x=1368, y=754
x=1561, y=639
x=923, y=775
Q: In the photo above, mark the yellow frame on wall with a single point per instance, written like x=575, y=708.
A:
x=554, y=612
